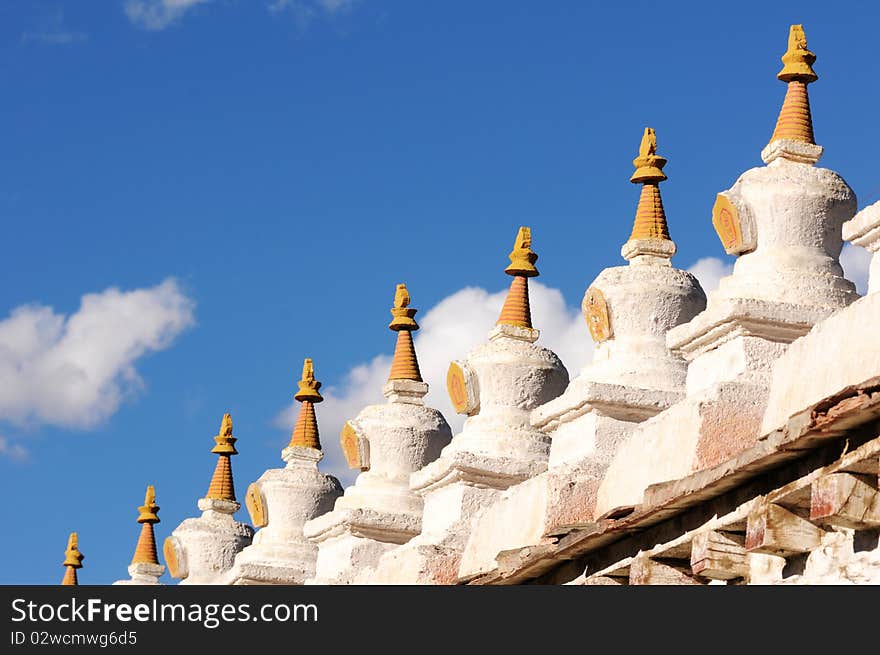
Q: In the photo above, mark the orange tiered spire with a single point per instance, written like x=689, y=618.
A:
x=516, y=310
x=405, y=364
x=650, y=220
x=795, y=121
x=72, y=560
x=222, y=486
x=650, y=232
x=305, y=432
x=145, y=551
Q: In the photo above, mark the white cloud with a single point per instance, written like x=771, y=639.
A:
x=709, y=271
x=448, y=331
x=74, y=371
x=158, y=14
x=856, y=262
x=13, y=451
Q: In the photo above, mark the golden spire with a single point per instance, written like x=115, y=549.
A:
x=145, y=551
x=795, y=121
x=404, y=364
x=516, y=310
x=222, y=486
x=305, y=432
x=72, y=560
x=650, y=222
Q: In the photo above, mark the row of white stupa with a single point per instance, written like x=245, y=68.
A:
x=677, y=383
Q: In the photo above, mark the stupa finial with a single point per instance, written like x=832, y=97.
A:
x=650, y=232
x=649, y=165
x=522, y=257
x=149, y=510
x=72, y=560
x=308, y=385
x=224, y=439
x=798, y=61
x=145, y=550
x=404, y=364
x=795, y=122
x=402, y=313
x=516, y=309
x=222, y=486
x=305, y=431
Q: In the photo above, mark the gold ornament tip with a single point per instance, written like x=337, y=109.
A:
x=522, y=257
x=649, y=165
x=798, y=60
x=226, y=425
x=308, y=385
x=225, y=442
x=72, y=556
x=403, y=315
x=149, y=511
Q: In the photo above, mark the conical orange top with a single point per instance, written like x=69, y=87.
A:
x=795, y=121
x=650, y=222
x=72, y=560
x=305, y=432
x=145, y=551
x=222, y=486
x=516, y=309
x=404, y=364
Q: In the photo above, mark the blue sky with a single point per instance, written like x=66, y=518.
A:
x=197, y=195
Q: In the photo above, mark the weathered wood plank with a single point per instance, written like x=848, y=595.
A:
x=511, y=560
x=619, y=570
x=774, y=530
x=647, y=571
x=797, y=498
x=846, y=500
x=604, y=580
x=719, y=555
x=867, y=466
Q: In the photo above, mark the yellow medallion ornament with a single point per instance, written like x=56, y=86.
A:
x=256, y=507
x=595, y=311
x=725, y=220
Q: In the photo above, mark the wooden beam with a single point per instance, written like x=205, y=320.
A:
x=719, y=555
x=774, y=530
x=647, y=571
x=604, y=580
x=846, y=500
